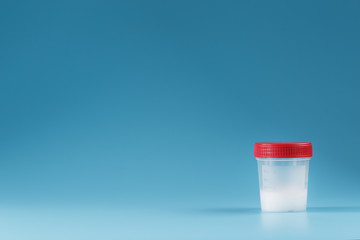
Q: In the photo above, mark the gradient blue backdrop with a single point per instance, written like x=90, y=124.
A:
x=144, y=103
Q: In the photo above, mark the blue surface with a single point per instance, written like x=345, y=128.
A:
x=180, y=223
x=148, y=109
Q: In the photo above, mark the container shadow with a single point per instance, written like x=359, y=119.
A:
x=227, y=211
x=334, y=209
x=247, y=211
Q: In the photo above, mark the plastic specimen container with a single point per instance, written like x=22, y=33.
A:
x=283, y=175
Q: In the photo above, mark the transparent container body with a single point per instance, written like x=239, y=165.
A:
x=283, y=184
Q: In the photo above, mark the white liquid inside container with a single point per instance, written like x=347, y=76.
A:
x=283, y=200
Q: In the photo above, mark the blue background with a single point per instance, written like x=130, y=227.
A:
x=146, y=108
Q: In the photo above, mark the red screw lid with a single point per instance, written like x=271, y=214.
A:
x=283, y=149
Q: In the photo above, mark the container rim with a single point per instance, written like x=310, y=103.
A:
x=284, y=159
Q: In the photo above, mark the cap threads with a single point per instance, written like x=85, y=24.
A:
x=283, y=149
